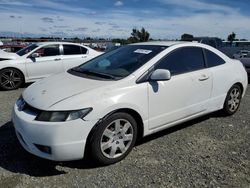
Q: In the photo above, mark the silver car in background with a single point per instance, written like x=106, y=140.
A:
x=244, y=57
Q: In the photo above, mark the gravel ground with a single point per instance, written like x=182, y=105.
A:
x=211, y=151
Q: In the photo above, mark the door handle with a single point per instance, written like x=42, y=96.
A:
x=84, y=56
x=203, y=77
x=57, y=59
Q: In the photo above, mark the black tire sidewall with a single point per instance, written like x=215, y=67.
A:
x=19, y=73
x=96, y=152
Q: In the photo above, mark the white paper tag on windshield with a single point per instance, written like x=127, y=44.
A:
x=142, y=51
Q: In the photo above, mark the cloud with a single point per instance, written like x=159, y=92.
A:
x=14, y=2
x=118, y=3
x=200, y=5
x=60, y=26
x=13, y=16
x=43, y=29
x=47, y=19
x=162, y=18
x=100, y=23
x=81, y=29
x=115, y=26
x=96, y=30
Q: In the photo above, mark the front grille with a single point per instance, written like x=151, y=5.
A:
x=44, y=149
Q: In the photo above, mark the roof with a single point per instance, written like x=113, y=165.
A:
x=161, y=43
x=46, y=43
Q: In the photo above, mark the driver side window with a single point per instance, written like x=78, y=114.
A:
x=49, y=50
x=183, y=60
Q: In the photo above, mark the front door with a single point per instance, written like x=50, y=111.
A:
x=185, y=94
x=46, y=61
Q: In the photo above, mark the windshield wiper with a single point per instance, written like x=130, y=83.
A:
x=91, y=72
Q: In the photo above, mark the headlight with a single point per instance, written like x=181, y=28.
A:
x=62, y=115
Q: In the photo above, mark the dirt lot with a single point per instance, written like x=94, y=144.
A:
x=211, y=151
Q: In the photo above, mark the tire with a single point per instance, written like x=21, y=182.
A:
x=10, y=79
x=232, y=101
x=113, y=138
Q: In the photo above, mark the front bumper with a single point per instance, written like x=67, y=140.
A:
x=66, y=140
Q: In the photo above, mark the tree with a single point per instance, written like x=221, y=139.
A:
x=139, y=36
x=187, y=37
x=231, y=37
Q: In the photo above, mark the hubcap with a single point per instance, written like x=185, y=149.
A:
x=9, y=79
x=116, y=138
x=234, y=100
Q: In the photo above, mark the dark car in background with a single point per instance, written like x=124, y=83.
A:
x=227, y=47
x=244, y=57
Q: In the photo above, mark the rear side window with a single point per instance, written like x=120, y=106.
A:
x=83, y=50
x=71, y=49
x=183, y=60
x=213, y=59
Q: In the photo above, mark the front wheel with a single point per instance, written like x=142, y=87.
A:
x=233, y=99
x=114, y=138
x=10, y=79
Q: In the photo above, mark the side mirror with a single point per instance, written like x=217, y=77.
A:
x=35, y=55
x=160, y=75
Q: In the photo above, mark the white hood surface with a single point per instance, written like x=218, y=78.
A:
x=8, y=55
x=53, y=90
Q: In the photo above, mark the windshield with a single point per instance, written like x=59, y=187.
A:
x=26, y=50
x=121, y=62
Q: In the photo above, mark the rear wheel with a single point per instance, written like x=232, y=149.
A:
x=233, y=100
x=10, y=79
x=114, y=138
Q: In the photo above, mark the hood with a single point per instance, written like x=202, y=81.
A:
x=7, y=55
x=50, y=91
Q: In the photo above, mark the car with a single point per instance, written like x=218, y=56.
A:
x=12, y=47
x=241, y=54
x=7, y=55
x=244, y=57
x=39, y=60
x=101, y=108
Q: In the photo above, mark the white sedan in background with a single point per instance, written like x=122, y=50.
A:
x=133, y=91
x=41, y=60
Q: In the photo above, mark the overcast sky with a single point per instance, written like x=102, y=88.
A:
x=164, y=19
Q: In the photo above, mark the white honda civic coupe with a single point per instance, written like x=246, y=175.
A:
x=40, y=60
x=102, y=107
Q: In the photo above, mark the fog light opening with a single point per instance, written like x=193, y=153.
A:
x=44, y=149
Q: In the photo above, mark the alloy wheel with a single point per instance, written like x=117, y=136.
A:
x=10, y=79
x=234, y=99
x=116, y=138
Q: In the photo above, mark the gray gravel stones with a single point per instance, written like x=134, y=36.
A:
x=211, y=151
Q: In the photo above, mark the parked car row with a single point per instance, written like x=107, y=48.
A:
x=40, y=60
x=244, y=57
x=12, y=48
x=103, y=106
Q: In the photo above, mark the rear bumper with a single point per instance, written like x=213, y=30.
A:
x=60, y=141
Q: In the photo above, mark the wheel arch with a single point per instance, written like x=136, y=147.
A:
x=15, y=69
x=241, y=87
x=129, y=111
